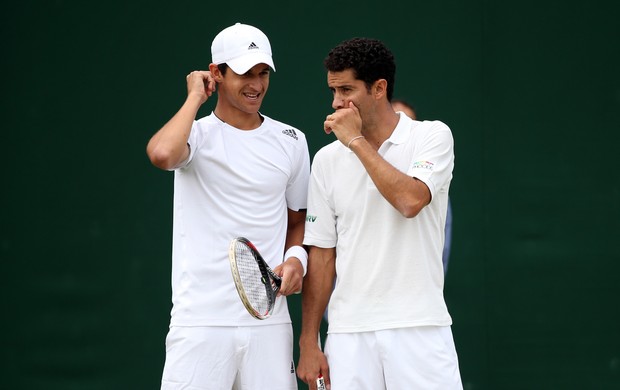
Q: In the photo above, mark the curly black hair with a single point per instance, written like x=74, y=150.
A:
x=369, y=59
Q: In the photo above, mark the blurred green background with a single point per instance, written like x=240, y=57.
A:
x=531, y=90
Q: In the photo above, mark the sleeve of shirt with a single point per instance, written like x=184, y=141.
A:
x=320, y=227
x=297, y=188
x=433, y=161
x=194, y=139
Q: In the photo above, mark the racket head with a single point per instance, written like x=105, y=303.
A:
x=253, y=278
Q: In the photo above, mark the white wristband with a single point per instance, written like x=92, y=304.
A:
x=300, y=253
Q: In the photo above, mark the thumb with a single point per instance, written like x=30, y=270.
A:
x=354, y=107
x=278, y=269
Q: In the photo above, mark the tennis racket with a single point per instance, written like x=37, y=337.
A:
x=256, y=283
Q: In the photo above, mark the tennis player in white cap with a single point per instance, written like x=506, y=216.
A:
x=237, y=172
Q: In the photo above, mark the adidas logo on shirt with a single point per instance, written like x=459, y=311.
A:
x=252, y=46
x=290, y=133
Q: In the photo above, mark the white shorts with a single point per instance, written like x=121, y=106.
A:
x=406, y=358
x=225, y=358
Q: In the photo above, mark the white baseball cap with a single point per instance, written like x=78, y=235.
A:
x=241, y=47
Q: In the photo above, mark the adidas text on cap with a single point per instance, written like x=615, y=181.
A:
x=241, y=47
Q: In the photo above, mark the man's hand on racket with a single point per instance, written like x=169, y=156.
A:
x=345, y=123
x=200, y=83
x=291, y=272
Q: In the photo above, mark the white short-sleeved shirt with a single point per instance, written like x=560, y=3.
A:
x=388, y=267
x=235, y=183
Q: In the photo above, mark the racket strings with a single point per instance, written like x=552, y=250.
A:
x=255, y=284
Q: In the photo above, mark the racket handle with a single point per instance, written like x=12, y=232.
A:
x=320, y=383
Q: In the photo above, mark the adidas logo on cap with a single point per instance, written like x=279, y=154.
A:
x=252, y=46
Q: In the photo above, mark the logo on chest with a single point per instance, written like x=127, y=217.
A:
x=290, y=132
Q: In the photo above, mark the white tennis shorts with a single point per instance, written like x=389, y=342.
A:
x=413, y=358
x=225, y=358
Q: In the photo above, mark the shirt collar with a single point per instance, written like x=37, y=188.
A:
x=401, y=132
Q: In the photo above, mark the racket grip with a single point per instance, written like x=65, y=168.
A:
x=320, y=383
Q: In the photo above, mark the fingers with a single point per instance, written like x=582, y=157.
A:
x=201, y=79
x=289, y=287
x=324, y=376
x=345, y=123
x=330, y=123
x=203, y=74
x=327, y=125
x=291, y=272
x=316, y=375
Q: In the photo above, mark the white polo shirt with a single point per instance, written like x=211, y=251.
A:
x=236, y=183
x=389, y=269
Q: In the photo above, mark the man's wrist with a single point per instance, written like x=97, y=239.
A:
x=300, y=253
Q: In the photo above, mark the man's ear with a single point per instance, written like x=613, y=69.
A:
x=215, y=73
x=379, y=89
